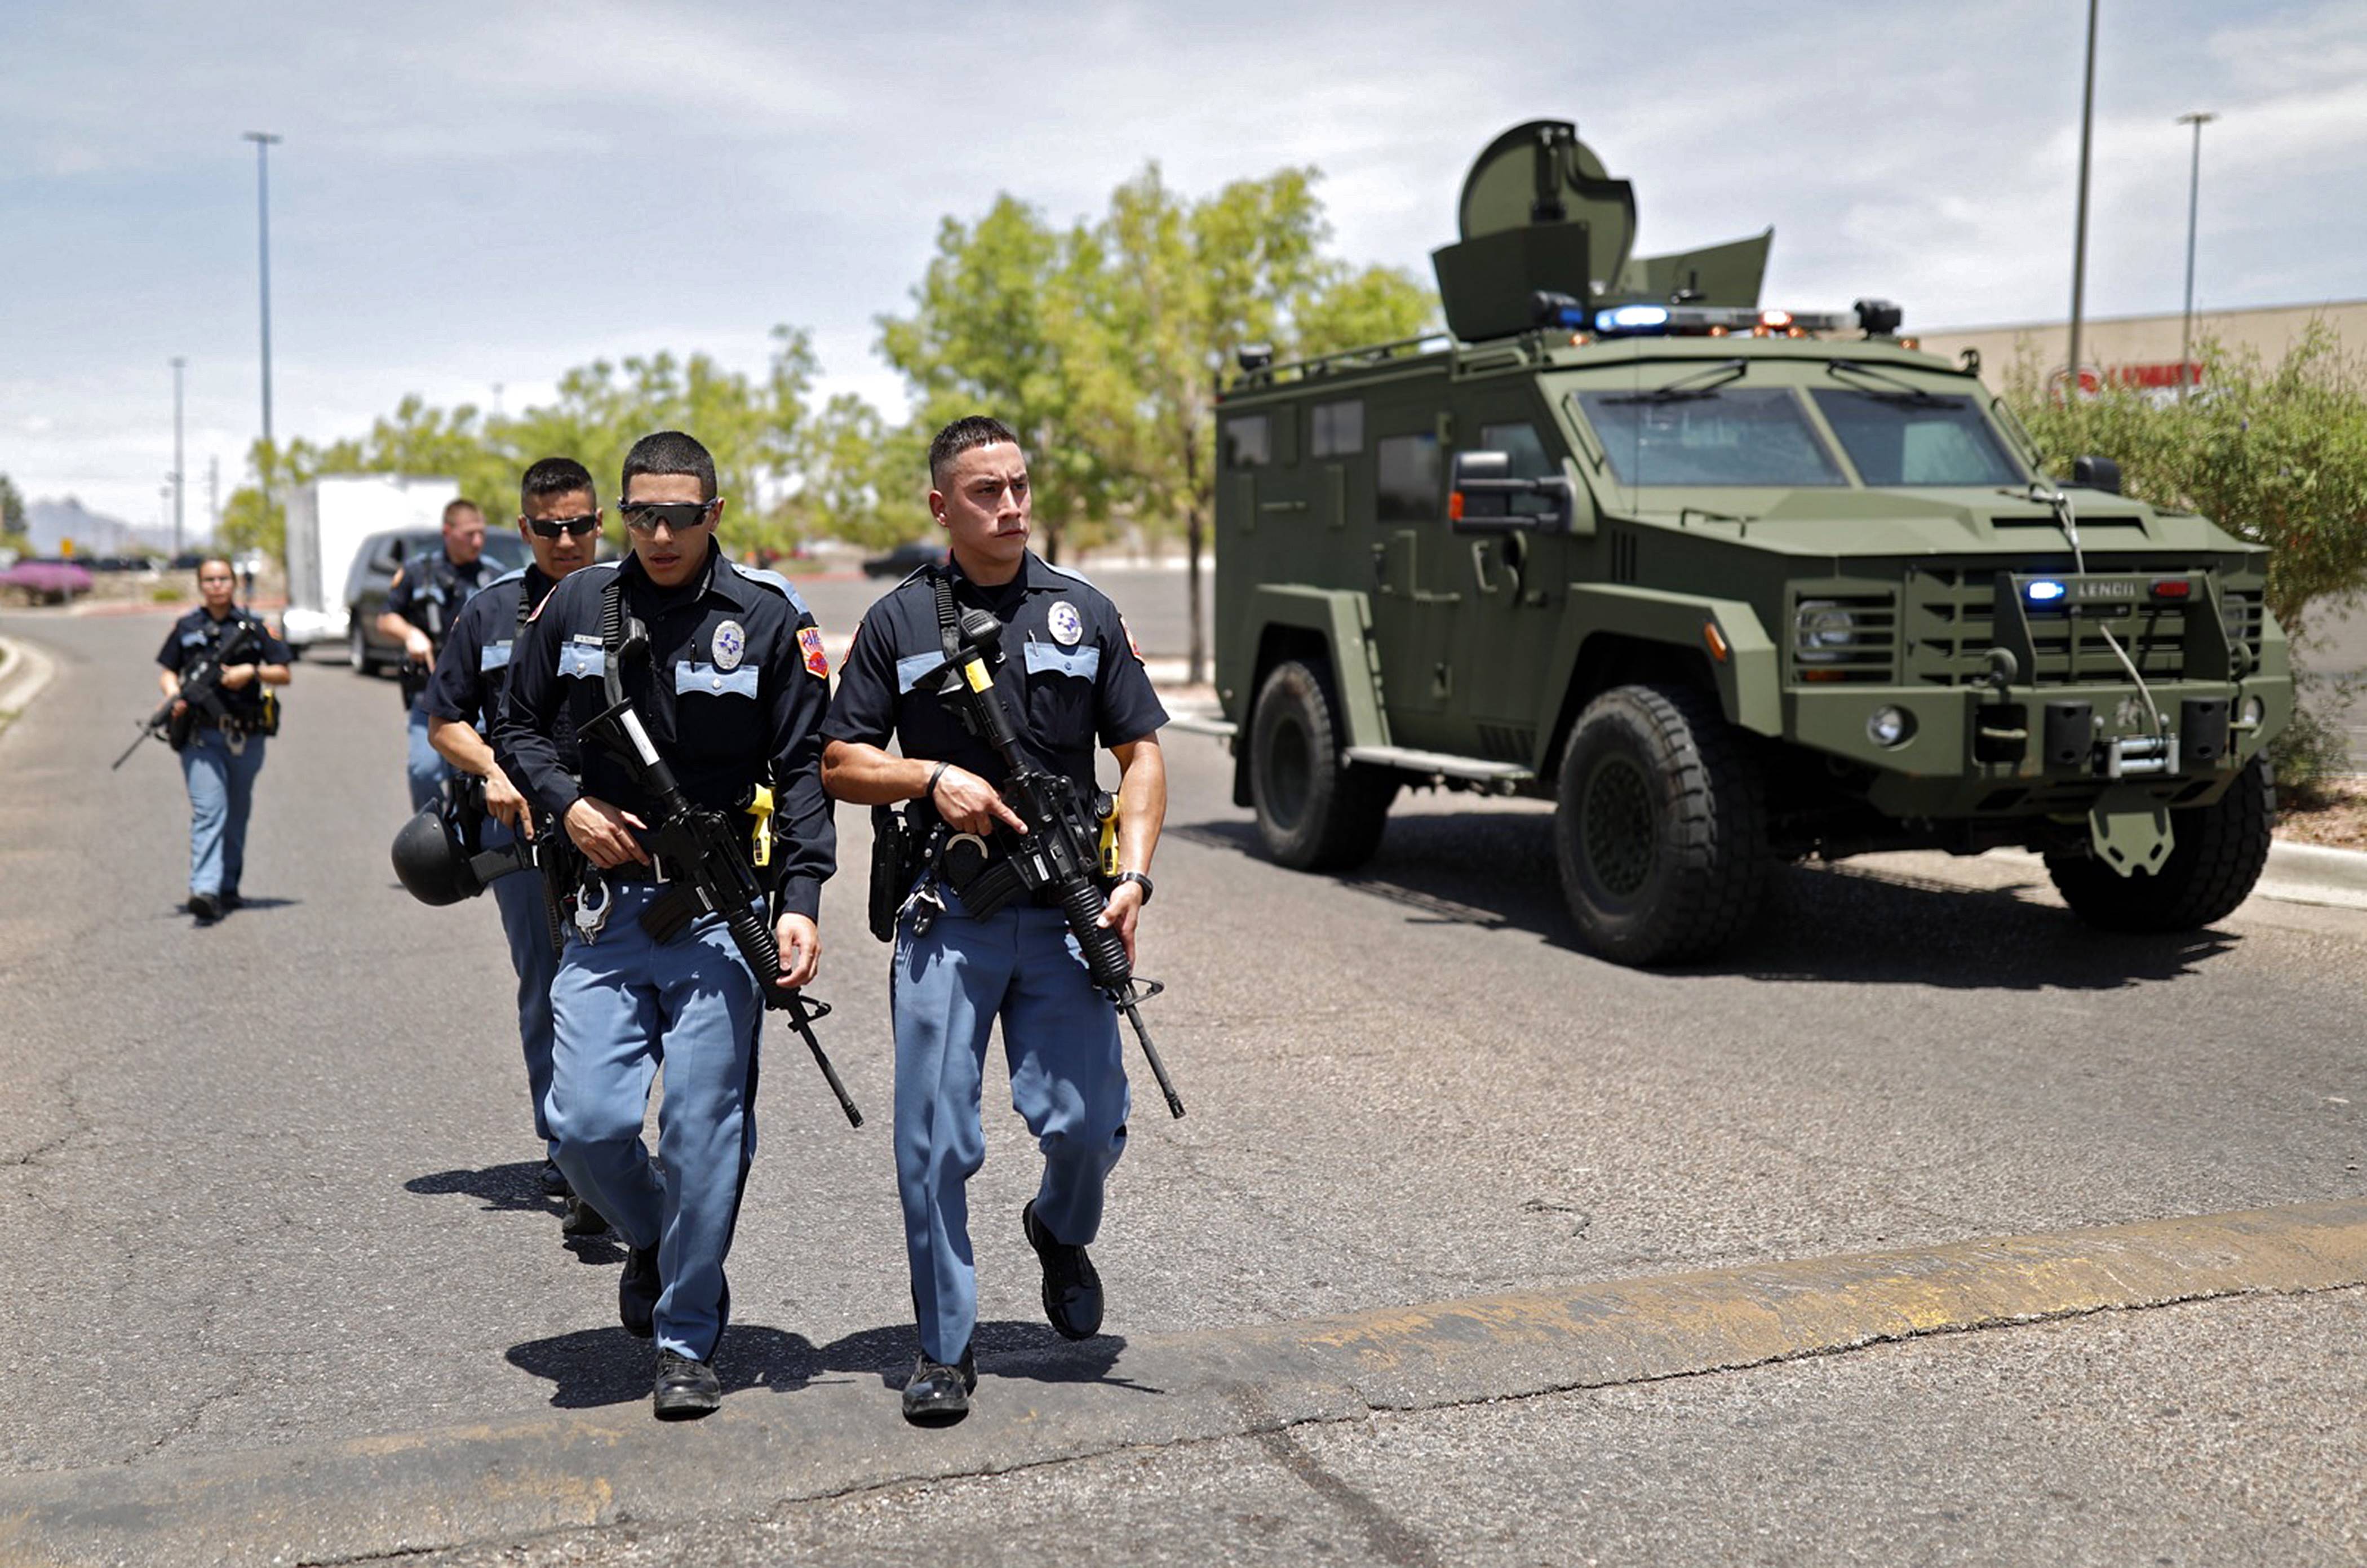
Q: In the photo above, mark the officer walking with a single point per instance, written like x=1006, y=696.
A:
x=732, y=690
x=1070, y=677
x=422, y=603
x=225, y=746
x=560, y=520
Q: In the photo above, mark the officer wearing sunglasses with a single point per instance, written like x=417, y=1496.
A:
x=560, y=520
x=732, y=690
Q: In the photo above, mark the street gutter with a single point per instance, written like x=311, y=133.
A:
x=500, y=1482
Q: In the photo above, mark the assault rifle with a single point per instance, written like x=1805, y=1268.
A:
x=703, y=851
x=1059, y=853
x=201, y=691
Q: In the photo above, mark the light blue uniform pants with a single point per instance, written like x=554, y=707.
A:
x=621, y=1006
x=527, y=926
x=1068, y=1083
x=221, y=788
x=423, y=763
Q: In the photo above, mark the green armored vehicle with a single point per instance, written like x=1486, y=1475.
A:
x=1729, y=585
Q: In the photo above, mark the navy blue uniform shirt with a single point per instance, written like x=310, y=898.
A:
x=473, y=669
x=199, y=632
x=734, y=694
x=430, y=592
x=1070, y=677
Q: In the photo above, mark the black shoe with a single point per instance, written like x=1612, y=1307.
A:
x=205, y=906
x=637, y=1292
x=1072, y=1291
x=686, y=1388
x=554, y=1182
x=580, y=1219
x=230, y=900
x=937, y=1394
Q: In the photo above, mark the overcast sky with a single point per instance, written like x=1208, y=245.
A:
x=481, y=193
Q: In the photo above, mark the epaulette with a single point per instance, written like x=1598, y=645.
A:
x=774, y=580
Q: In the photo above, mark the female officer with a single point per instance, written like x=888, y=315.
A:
x=224, y=751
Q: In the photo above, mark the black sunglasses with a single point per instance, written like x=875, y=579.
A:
x=552, y=528
x=679, y=517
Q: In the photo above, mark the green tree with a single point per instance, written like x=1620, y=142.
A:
x=2275, y=454
x=12, y=516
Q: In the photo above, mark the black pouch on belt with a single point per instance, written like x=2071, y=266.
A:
x=890, y=848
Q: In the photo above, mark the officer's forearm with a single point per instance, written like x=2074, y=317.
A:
x=169, y=682
x=865, y=776
x=1142, y=802
x=460, y=746
x=392, y=625
x=274, y=675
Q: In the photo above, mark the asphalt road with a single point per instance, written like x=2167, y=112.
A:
x=270, y=1183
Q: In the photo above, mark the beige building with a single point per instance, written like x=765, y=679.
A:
x=2144, y=351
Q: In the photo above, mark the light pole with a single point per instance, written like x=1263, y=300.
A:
x=2080, y=231
x=179, y=484
x=2193, y=199
x=263, y=140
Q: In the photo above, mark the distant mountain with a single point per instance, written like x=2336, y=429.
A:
x=94, y=533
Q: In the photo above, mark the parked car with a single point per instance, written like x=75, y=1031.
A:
x=372, y=574
x=904, y=560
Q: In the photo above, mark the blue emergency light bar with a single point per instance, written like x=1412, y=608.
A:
x=1875, y=317
x=2044, y=591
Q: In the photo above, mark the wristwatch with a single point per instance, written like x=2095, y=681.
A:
x=1140, y=878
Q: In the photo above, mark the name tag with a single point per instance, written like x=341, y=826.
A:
x=1083, y=662
x=690, y=677
x=494, y=656
x=912, y=666
x=575, y=659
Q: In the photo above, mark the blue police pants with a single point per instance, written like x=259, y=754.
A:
x=1068, y=1083
x=526, y=924
x=221, y=788
x=423, y=764
x=622, y=1005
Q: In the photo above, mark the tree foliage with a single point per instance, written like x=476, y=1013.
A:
x=13, y=532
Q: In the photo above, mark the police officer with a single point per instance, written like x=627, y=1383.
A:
x=422, y=603
x=225, y=746
x=1070, y=677
x=560, y=520
x=733, y=693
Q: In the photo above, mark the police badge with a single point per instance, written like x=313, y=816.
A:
x=731, y=645
x=1067, y=626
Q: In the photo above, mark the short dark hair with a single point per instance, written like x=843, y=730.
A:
x=224, y=562
x=971, y=430
x=461, y=504
x=670, y=451
x=555, y=476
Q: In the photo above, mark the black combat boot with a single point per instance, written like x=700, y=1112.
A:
x=937, y=1394
x=638, y=1289
x=206, y=907
x=1072, y=1290
x=686, y=1388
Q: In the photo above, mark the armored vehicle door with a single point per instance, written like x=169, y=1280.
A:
x=1418, y=584
x=1516, y=569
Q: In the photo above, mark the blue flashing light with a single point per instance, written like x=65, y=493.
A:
x=1632, y=318
x=2043, y=592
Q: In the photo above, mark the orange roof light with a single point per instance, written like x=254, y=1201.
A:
x=1775, y=320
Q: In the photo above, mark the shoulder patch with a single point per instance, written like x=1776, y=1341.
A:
x=817, y=661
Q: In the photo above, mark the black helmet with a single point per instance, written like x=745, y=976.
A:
x=431, y=863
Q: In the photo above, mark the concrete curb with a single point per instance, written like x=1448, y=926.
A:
x=2315, y=873
x=26, y=671
x=426, y=1491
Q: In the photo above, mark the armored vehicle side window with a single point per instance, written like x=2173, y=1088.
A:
x=1915, y=438
x=1407, y=485
x=1249, y=441
x=1519, y=443
x=1338, y=429
x=1741, y=436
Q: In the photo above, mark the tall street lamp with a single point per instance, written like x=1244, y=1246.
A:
x=178, y=480
x=264, y=140
x=2193, y=196
x=2080, y=231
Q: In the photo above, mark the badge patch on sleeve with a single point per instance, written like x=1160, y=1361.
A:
x=817, y=661
x=1131, y=646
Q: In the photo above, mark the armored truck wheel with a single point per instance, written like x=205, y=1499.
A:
x=1662, y=827
x=2217, y=857
x=1316, y=811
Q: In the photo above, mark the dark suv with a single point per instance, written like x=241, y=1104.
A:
x=373, y=571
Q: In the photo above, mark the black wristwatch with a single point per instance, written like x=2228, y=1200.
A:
x=1140, y=878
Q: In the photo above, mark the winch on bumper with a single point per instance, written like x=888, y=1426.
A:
x=1997, y=695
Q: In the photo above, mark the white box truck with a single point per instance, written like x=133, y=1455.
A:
x=327, y=520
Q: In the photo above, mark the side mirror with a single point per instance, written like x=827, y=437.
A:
x=2097, y=473
x=1484, y=498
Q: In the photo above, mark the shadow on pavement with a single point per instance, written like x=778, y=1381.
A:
x=598, y=1366
x=502, y=1189
x=1495, y=870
